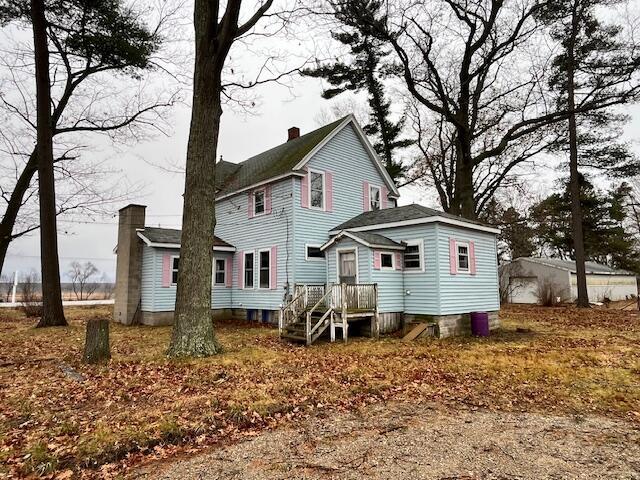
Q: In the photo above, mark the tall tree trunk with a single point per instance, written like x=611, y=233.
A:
x=193, y=334
x=52, y=312
x=464, y=203
x=574, y=174
x=13, y=206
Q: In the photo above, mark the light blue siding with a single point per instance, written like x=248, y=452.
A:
x=421, y=285
x=346, y=157
x=156, y=297
x=463, y=292
x=364, y=257
x=253, y=234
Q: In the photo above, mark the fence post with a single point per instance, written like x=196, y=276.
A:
x=15, y=286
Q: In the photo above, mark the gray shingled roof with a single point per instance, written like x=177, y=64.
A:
x=172, y=236
x=591, y=267
x=272, y=163
x=397, y=214
x=376, y=239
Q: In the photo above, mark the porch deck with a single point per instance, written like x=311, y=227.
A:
x=314, y=308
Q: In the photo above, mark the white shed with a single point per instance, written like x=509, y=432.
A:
x=523, y=276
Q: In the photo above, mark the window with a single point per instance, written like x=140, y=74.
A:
x=174, y=270
x=220, y=265
x=314, y=253
x=258, y=202
x=386, y=260
x=316, y=189
x=374, y=197
x=265, y=270
x=463, y=257
x=248, y=270
x=413, y=255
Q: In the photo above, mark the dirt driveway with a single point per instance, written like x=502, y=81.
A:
x=398, y=441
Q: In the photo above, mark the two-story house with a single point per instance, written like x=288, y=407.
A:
x=309, y=235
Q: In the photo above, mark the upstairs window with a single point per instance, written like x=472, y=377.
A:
x=265, y=268
x=316, y=189
x=463, y=257
x=374, y=197
x=248, y=270
x=219, y=275
x=174, y=270
x=258, y=202
x=413, y=255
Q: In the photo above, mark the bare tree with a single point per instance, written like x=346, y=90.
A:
x=482, y=67
x=81, y=276
x=92, y=94
x=218, y=26
x=30, y=295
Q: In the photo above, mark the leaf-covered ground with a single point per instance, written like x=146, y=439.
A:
x=60, y=418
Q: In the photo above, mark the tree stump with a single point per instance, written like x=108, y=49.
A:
x=96, y=346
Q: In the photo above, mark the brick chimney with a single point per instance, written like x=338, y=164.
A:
x=128, y=264
x=294, y=132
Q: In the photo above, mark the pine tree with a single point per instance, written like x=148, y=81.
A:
x=366, y=73
x=593, y=71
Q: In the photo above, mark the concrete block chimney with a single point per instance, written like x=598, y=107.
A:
x=128, y=264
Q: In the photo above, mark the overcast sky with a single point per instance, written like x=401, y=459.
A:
x=241, y=136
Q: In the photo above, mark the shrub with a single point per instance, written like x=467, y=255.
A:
x=549, y=293
x=31, y=304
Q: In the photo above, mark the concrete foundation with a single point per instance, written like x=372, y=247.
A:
x=448, y=325
x=166, y=318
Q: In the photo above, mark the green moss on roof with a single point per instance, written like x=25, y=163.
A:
x=271, y=163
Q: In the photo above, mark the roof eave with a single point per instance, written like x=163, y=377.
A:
x=418, y=221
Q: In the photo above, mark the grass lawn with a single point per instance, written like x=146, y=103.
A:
x=141, y=405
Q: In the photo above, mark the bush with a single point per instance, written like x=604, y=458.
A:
x=31, y=302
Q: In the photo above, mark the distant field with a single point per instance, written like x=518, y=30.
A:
x=59, y=415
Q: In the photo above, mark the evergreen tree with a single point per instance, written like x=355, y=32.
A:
x=97, y=29
x=606, y=240
x=365, y=73
x=594, y=70
x=516, y=238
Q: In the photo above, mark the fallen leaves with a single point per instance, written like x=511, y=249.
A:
x=143, y=406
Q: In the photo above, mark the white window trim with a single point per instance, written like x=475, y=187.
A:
x=324, y=189
x=244, y=269
x=171, y=269
x=420, y=243
x=313, y=259
x=371, y=189
x=344, y=250
x=268, y=250
x=460, y=269
x=224, y=280
x=393, y=261
x=264, y=201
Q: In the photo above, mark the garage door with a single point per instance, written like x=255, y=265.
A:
x=523, y=290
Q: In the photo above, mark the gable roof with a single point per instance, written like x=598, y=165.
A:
x=371, y=240
x=592, y=268
x=170, y=238
x=407, y=215
x=288, y=159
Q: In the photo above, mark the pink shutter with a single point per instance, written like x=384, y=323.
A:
x=399, y=260
x=366, y=205
x=453, y=261
x=166, y=270
x=240, y=263
x=250, y=209
x=472, y=258
x=228, y=274
x=267, y=199
x=384, y=191
x=273, y=283
x=376, y=260
x=328, y=177
x=304, y=191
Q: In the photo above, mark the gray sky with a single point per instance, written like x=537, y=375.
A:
x=242, y=136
